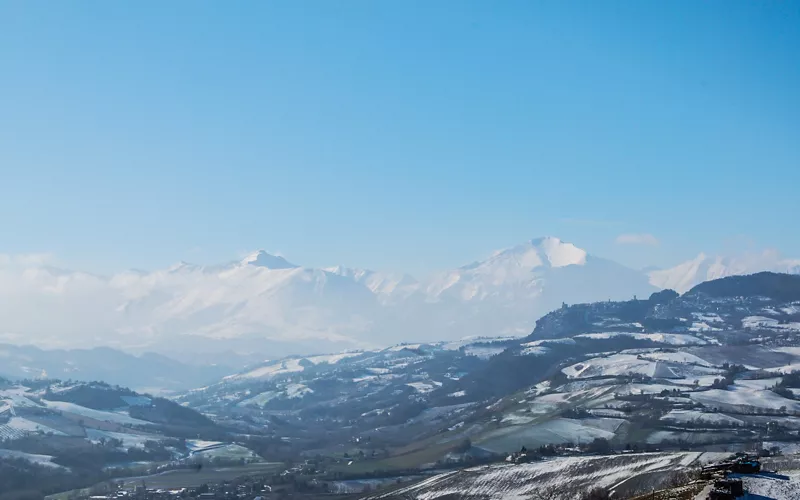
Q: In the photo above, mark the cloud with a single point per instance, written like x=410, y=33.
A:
x=637, y=239
x=26, y=259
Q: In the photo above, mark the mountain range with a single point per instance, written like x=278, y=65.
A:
x=265, y=303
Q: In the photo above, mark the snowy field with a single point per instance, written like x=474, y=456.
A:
x=17, y=397
x=424, y=387
x=200, y=444
x=260, y=399
x=556, y=431
x=226, y=451
x=640, y=364
x=104, y=416
x=128, y=440
x=661, y=338
x=26, y=426
x=739, y=398
x=685, y=416
x=782, y=486
x=45, y=460
x=291, y=365
x=565, y=477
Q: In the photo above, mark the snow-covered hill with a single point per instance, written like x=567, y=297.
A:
x=711, y=366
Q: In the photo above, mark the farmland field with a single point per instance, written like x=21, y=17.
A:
x=191, y=477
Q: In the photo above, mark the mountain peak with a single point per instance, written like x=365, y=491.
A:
x=264, y=259
x=559, y=253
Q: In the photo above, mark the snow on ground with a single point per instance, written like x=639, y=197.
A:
x=540, y=342
x=272, y=370
x=793, y=308
x=199, y=444
x=437, y=412
x=762, y=323
x=691, y=437
x=662, y=338
x=333, y=359
x=741, y=398
x=29, y=426
x=17, y=396
x=297, y=391
x=538, y=388
x=534, y=351
x=608, y=412
x=618, y=364
x=786, y=368
x=400, y=347
x=685, y=416
x=677, y=357
x=128, y=440
x=556, y=431
x=759, y=384
x=455, y=345
x=482, y=351
x=292, y=365
x=548, y=403
x=517, y=418
x=227, y=451
x=7, y=432
x=457, y=394
x=260, y=399
x=707, y=317
x=45, y=460
x=640, y=364
x=782, y=486
x=702, y=380
x=702, y=326
x=647, y=388
x=591, y=397
x=758, y=322
x=786, y=447
x=517, y=482
x=793, y=350
x=423, y=387
x=105, y=416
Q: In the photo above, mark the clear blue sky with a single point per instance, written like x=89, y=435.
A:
x=409, y=135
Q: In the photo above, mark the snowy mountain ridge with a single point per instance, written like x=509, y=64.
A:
x=702, y=268
x=265, y=303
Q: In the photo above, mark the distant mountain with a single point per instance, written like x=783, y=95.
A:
x=148, y=372
x=266, y=304
x=705, y=268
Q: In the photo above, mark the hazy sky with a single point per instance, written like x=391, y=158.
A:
x=396, y=135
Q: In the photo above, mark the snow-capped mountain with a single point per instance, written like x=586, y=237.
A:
x=265, y=303
x=704, y=268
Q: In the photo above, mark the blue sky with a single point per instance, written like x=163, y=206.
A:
x=396, y=135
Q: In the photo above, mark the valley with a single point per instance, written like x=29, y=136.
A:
x=645, y=388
